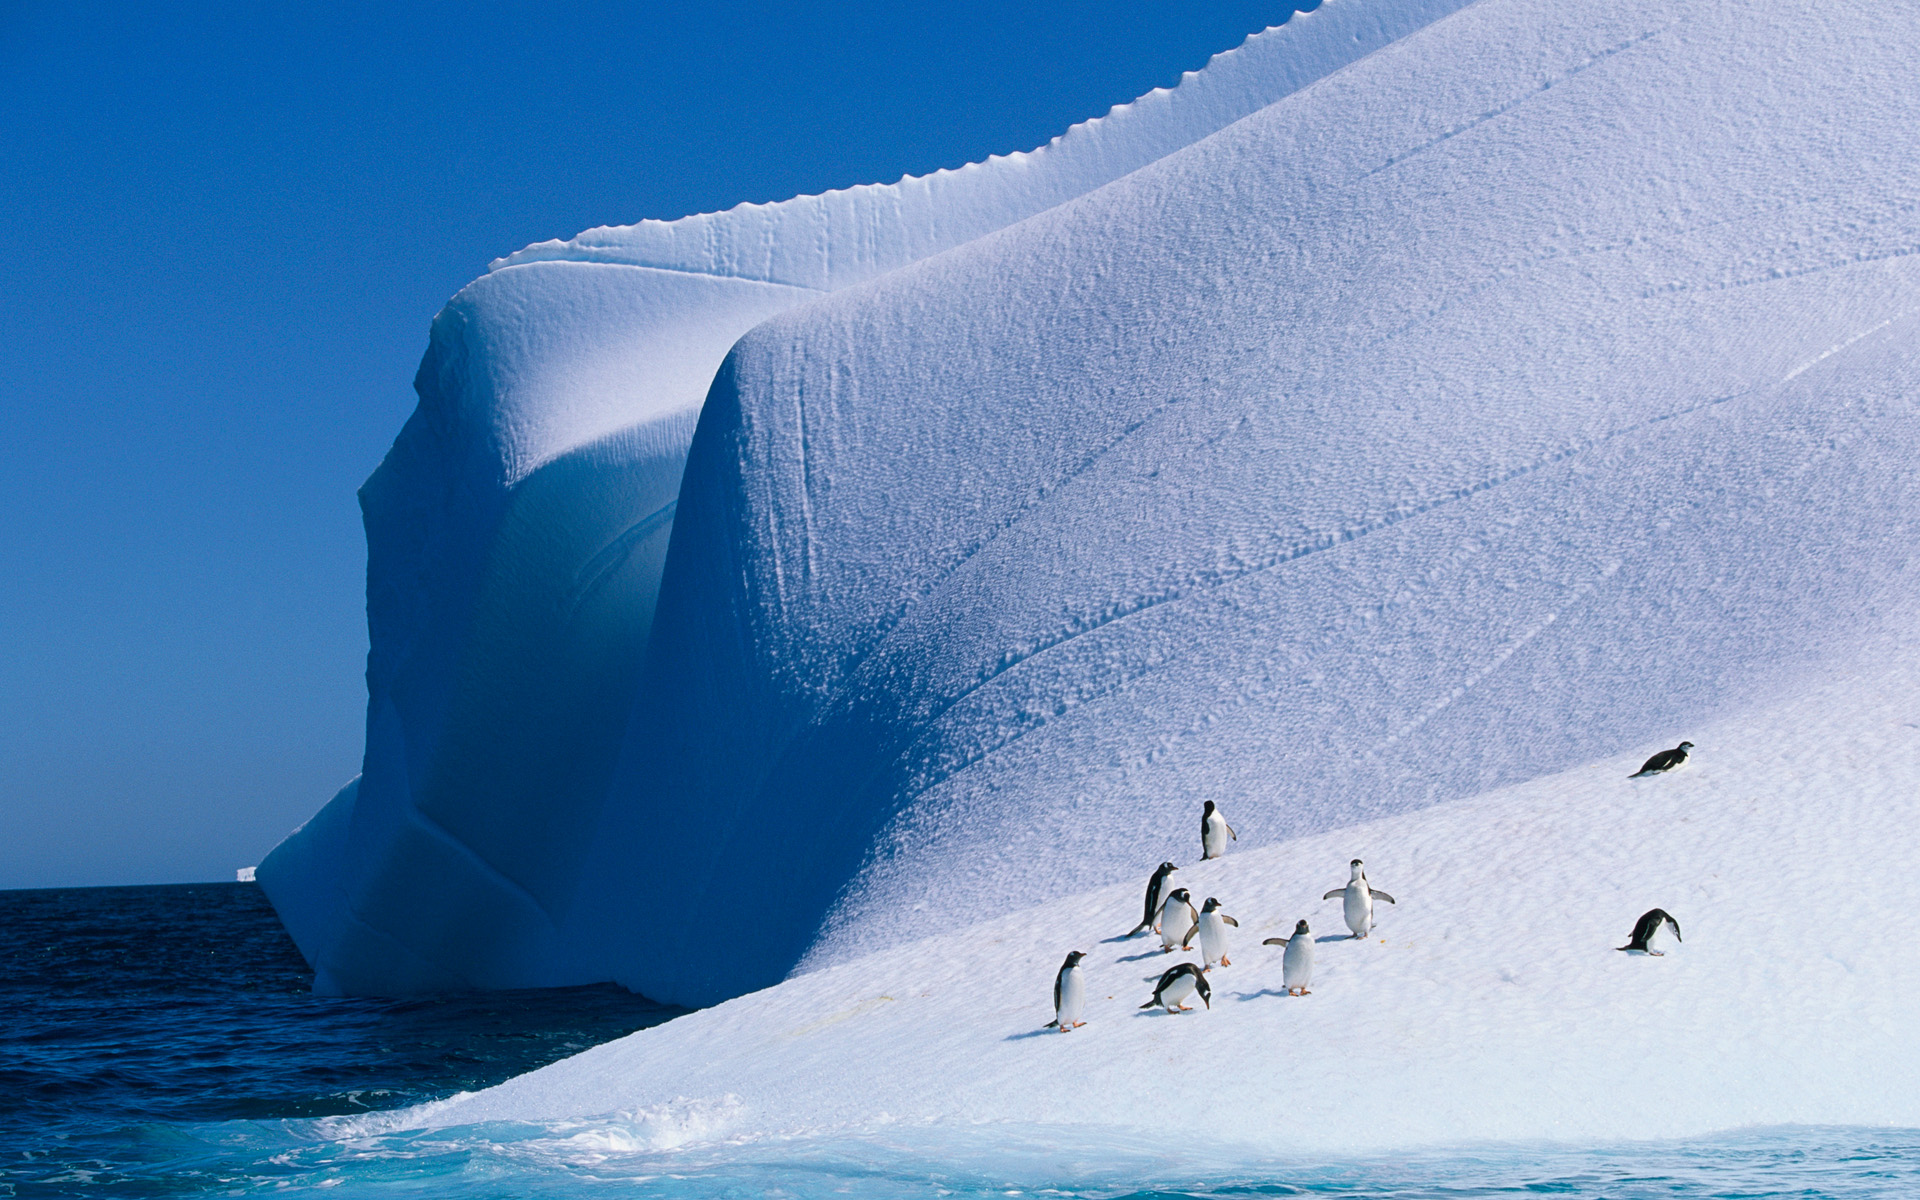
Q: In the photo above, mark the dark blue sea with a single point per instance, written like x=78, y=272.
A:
x=162, y=1041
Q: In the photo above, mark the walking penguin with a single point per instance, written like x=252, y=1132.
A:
x=1156, y=894
x=1069, y=995
x=1214, y=832
x=1177, y=920
x=1213, y=934
x=1296, y=967
x=1359, y=896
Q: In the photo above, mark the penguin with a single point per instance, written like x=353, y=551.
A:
x=1177, y=920
x=1359, y=895
x=1664, y=761
x=1296, y=968
x=1069, y=995
x=1180, y=981
x=1647, y=928
x=1156, y=889
x=1213, y=935
x=1214, y=832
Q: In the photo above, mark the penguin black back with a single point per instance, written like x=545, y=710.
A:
x=1645, y=929
x=1156, y=894
x=1664, y=761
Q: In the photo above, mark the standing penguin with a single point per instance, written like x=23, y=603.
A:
x=1664, y=761
x=1156, y=889
x=1214, y=832
x=1180, y=981
x=1296, y=968
x=1177, y=920
x=1069, y=995
x=1213, y=934
x=1647, y=928
x=1359, y=896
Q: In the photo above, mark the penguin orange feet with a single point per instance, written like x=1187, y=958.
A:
x=1225, y=961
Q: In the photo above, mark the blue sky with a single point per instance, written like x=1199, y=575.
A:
x=227, y=229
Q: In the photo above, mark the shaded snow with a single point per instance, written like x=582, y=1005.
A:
x=1488, y=1004
x=517, y=528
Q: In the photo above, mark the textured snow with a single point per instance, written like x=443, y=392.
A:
x=1540, y=385
x=1488, y=1004
x=517, y=528
x=1398, y=465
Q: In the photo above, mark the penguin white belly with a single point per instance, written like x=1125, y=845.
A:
x=1214, y=842
x=1359, y=909
x=1176, y=993
x=1213, y=938
x=1073, y=997
x=1296, y=968
x=1176, y=922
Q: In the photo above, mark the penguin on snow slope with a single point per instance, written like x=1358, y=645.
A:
x=1177, y=920
x=1359, y=896
x=1664, y=761
x=1180, y=981
x=1296, y=967
x=1647, y=928
x=1214, y=832
x=1069, y=995
x=1213, y=935
x=1156, y=895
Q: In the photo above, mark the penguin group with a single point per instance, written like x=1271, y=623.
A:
x=1169, y=911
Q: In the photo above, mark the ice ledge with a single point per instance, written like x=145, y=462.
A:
x=790, y=241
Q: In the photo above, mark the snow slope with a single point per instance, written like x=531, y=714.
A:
x=517, y=528
x=1489, y=1004
x=1539, y=385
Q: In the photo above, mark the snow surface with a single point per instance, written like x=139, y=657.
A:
x=1488, y=1004
x=1534, y=391
x=1539, y=385
x=517, y=528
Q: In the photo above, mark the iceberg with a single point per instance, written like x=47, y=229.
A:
x=1396, y=463
x=516, y=530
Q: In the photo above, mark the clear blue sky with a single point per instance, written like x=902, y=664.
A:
x=227, y=227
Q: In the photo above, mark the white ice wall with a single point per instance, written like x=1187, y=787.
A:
x=517, y=527
x=1536, y=386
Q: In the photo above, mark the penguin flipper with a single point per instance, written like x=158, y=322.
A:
x=1152, y=1002
x=1229, y=920
x=1339, y=891
x=1230, y=832
x=1380, y=895
x=1274, y=942
x=1186, y=943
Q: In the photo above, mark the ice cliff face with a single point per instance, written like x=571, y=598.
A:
x=1401, y=408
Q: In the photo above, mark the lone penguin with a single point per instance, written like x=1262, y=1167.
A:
x=1359, y=896
x=1069, y=995
x=1213, y=935
x=1214, y=832
x=1296, y=967
x=1156, y=894
x=1177, y=920
x=1647, y=928
x=1180, y=981
x=1664, y=761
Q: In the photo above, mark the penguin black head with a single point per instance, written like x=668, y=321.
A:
x=1686, y=745
x=1354, y=863
x=1180, y=894
x=1301, y=929
x=1165, y=867
x=1210, y=905
x=1073, y=959
x=1209, y=808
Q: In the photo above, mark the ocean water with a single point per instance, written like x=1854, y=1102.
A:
x=162, y=1042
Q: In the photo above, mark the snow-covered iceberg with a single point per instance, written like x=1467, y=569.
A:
x=517, y=528
x=1532, y=391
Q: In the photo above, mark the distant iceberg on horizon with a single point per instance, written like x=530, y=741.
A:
x=1395, y=433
